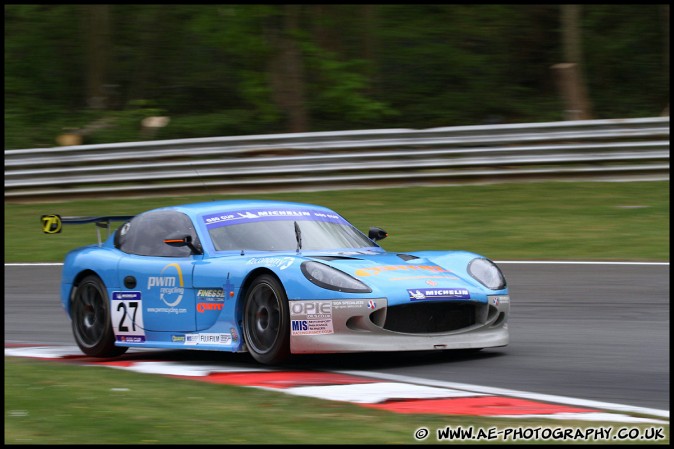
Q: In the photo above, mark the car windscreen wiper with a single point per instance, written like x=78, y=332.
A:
x=298, y=237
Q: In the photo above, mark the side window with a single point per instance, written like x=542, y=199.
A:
x=144, y=235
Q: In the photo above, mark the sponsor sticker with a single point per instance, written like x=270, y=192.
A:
x=311, y=327
x=277, y=262
x=265, y=214
x=203, y=307
x=311, y=309
x=498, y=300
x=170, y=284
x=348, y=304
x=375, y=271
x=51, y=224
x=438, y=293
x=191, y=339
x=311, y=317
x=210, y=294
x=445, y=277
x=208, y=339
x=131, y=339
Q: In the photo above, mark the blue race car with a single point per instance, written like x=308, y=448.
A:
x=273, y=279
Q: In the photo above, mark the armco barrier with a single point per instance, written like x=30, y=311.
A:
x=619, y=149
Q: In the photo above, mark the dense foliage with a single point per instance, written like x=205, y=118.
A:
x=215, y=70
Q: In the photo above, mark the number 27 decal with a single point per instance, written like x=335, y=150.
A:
x=122, y=307
x=127, y=316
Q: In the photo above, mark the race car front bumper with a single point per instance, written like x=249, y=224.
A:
x=365, y=325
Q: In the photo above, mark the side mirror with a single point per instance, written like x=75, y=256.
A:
x=377, y=234
x=183, y=240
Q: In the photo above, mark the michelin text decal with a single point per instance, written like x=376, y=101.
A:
x=438, y=293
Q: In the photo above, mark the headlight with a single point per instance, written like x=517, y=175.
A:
x=332, y=279
x=486, y=271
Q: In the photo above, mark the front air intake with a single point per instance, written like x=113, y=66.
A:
x=431, y=317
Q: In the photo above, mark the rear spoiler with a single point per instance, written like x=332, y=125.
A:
x=52, y=224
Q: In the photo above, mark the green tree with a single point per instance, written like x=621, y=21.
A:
x=237, y=69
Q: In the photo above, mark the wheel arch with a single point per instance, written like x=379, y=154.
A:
x=76, y=282
x=265, y=318
x=245, y=285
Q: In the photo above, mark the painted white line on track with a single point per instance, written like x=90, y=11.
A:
x=184, y=369
x=512, y=393
x=590, y=417
x=33, y=264
x=373, y=393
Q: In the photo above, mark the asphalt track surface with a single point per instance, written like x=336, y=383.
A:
x=596, y=332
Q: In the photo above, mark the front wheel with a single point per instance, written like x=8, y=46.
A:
x=265, y=321
x=90, y=317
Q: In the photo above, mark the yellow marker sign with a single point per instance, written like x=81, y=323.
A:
x=51, y=224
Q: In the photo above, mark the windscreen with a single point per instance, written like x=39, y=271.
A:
x=283, y=230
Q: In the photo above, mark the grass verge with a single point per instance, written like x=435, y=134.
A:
x=539, y=221
x=58, y=403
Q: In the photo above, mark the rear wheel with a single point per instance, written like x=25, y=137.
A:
x=90, y=318
x=265, y=321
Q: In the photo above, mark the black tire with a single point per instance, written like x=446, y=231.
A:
x=90, y=318
x=266, y=328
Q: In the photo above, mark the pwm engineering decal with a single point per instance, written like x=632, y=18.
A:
x=127, y=317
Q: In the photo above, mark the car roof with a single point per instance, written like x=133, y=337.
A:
x=194, y=209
